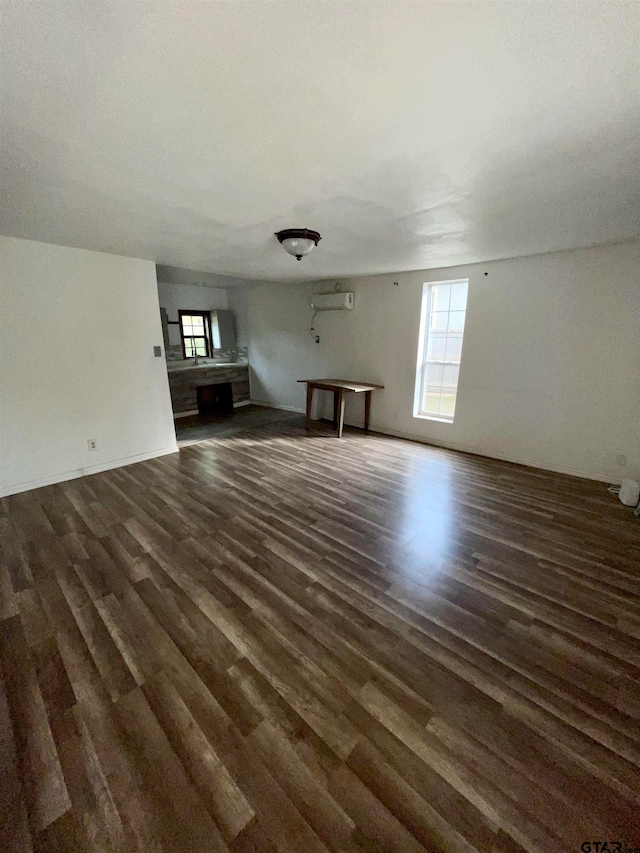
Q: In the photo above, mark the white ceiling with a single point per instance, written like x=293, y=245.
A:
x=410, y=134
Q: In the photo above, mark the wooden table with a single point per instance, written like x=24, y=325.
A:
x=340, y=387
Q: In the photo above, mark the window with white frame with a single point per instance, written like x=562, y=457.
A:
x=444, y=305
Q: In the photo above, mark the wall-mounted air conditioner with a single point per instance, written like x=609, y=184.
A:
x=333, y=301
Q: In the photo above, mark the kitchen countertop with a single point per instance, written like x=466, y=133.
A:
x=173, y=366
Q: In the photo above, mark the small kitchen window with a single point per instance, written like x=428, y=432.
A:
x=195, y=332
x=444, y=307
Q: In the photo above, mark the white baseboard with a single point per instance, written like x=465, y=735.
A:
x=84, y=472
x=130, y=460
x=450, y=445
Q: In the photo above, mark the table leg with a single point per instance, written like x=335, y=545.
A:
x=340, y=411
x=309, y=402
x=367, y=409
x=335, y=409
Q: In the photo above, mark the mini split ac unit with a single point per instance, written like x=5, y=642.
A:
x=332, y=301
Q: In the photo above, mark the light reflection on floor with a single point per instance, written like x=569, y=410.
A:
x=427, y=516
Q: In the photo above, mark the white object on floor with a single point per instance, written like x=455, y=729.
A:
x=629, y=492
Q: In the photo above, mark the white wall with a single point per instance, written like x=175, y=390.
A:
x=550, y=370
x=188, y=297
x=77, y=331
x=272, y=319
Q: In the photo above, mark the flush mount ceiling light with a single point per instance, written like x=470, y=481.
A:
x=298, y=241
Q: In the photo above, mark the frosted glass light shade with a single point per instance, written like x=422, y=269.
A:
x=298, y=241
x=297, y=246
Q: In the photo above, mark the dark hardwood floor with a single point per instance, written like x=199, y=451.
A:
x=280, y=641
x=201, y=427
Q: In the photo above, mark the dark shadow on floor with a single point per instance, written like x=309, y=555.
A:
x=202, y=427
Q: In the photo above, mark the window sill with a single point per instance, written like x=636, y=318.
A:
x=433, y=418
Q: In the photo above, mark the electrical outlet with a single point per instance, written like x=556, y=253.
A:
x=621, y=460
x=317, y=339
x=92, y=444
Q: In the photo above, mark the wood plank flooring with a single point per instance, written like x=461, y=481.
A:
x=194, y=428
x=278, y=641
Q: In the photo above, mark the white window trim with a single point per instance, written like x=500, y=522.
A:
x=420, y=364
